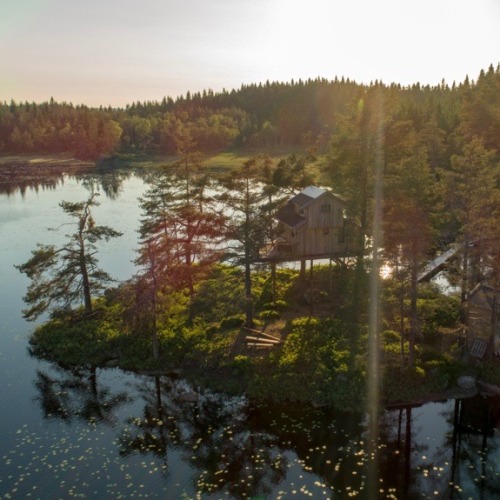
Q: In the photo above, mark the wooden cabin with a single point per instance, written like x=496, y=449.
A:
x=484, y=320
x=312, y=225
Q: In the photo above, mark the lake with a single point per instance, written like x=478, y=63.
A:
x=112, y=434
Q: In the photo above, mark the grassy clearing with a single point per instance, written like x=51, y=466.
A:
x=234, y=159
x=227, y=160
x=55, y=159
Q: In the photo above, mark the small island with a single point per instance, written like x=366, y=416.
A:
x=255, y=321
x=285, y=251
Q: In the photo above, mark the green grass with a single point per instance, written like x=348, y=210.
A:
x=226, y=160
x=54, y=159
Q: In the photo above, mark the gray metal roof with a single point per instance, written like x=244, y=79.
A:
x=313, y=191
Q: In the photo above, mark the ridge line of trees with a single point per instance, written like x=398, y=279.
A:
x=303, y=113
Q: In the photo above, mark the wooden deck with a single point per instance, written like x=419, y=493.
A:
x=276, y=256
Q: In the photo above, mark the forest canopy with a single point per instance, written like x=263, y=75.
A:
x=299, y=113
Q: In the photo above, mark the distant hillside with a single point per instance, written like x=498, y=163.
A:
x=302, y=113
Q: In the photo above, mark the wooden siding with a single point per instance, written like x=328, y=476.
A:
x=324, y=230
x=482, y=323
x=314, y=241
x=316, y=215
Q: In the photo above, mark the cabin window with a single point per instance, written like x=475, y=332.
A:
x=326, y=231
x=326, y=208
x=301, y=211
x=294, y=233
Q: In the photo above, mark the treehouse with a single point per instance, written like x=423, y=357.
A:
x=483, y=304
x=311, y=225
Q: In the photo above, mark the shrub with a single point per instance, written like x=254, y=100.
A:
x=212, y=330
x=270, y=314
x=277, y=305
x=241, y=365
x=390, y=337
x=235, y=321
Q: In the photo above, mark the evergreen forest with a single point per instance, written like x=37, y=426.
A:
x=418, y=168
x=305, y=114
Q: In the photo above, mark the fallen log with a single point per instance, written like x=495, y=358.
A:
x=263, y=339
x=259, y=345
x=260, y=333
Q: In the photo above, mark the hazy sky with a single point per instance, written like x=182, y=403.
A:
x=119, y=51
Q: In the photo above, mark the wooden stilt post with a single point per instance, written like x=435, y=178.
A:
x=311, y=295
x=330, y=278
x=302, y=274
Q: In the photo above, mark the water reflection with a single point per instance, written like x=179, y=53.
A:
x=77, y=394
x=211, y=433
x=475, y=454
x=234, y=447
x=110, y=182
x=21, y=178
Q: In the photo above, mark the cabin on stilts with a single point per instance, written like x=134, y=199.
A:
x=311, y=225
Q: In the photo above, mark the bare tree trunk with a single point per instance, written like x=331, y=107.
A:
x=465, y=272
x=154, y=330
x=402, y=323
x=87, y=298
x=248, y=271
x=413, y=315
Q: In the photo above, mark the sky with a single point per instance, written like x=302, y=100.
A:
x=114, y=52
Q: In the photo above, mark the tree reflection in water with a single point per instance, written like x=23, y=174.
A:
x=463, y=462
x=475, y=456
x=108, y=181
x=211, y=432
x=76, y=394
x=237, y=448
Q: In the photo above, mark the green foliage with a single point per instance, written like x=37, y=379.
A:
x=404, y=385
x=269, y=314
x=390, y=336
x=277, y=305
x=490, y=372
x=442, y=310
x=73, y=341
x=285, y=280
x=234, y=321
x=242, y=365
x=221, y=295
x=314, y=363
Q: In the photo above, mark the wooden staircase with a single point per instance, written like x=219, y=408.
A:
x=259, y=340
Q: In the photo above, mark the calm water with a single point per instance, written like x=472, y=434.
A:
x=111, y=434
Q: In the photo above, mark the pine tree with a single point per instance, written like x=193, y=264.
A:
x=61, y=277
x=246, y=201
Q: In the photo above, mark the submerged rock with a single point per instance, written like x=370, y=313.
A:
x=466, y=382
